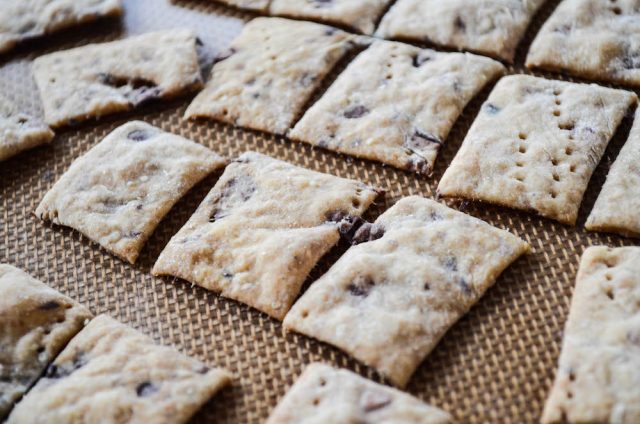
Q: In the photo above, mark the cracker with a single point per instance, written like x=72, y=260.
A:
x=616, y=209
x=118, y=192
x=491, y=27
x=591, y=39
x=24, y=19
x=274, y=67
x=396, y=103
x=100, y=79
x=535, y=144
x=261, y=229
x=323, y=394
x=111, y=373
x=20, y=131
x=256, y=5
x=36, y=322
x=598, y=377
x=360, y=15
x=389, y=300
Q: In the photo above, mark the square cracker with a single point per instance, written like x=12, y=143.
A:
x=535, y=144
x=389, y=300
x=111, y=373
x=261, y=229
x=36, y=322
x=361, y=15
x=256, y=5
x=598, y=377
x=99, y=79
x=24, y=19
x=118, y=192
x=597, y=39
x=491, y=27
x=323, y=394
x=20, y=131
x=616, y=209
x=275, y=66
x=396, y=103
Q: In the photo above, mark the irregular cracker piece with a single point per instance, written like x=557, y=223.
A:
x=396, y=103
x=360, y=15
x=491, y=27
x=616, y=209
x=535, y=144
x=261, y=229
x=323, y=394
x=118, y=192
x=596, y=39
x=388, y=301
x=99, y=79
x=20, y=131
x=274, y=68
x=257, y=5
x=24, y=19
x=598, y=377
x=111, y=373
x=36, y=322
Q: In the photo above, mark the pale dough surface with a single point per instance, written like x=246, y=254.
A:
x=111, y=373
x=257, y=5
x=388, y=301
x=36, y=322
x=396, y=103
x=261, y=229
x=595, y=39
x=119, y=191
x=100, y=79
x=323, y=394
x=20, y=131
x=535, y=144
x=274, y=67
x=598, y=377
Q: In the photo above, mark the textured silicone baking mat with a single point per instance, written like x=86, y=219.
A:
x=495, y=365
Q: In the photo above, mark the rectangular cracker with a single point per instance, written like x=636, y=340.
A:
x=20, y=131
x=535, y=144
x=323, y=394
x=255, y=5
x=111, y=373
x=118, y=192
x=591, y=39
x=261, y=229
x=396, y=103
x=24, y=19
x=598, y=377
x=36, y=322
x=274, y=67
x=390, y=299
x=100, y=79
x=490, y=27
x=360, y=15
x=617, y=206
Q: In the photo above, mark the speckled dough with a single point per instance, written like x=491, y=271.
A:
x=261, y=230
x=361, y=15
x=274, y=67
x=535, y=144
x=118, y=192
x=389, y=300
x=491, y=27
x=396, y=104
x=20, y=131
x=616, y=209
x=598, y=377
x=36, y=322
x=257, y=5
x=110, y=373
x=24, y=19
x=323, y=394
x=99, y=79
x=597, y=39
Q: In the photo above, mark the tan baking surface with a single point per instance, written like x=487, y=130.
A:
x=496, y=364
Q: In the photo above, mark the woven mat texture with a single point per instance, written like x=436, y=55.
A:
x=495, y=365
